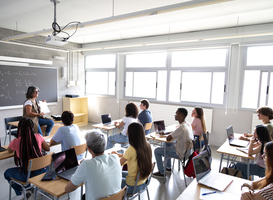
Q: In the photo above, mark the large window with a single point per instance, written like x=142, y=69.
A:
x=257, y=89
x=182, y=76
x=101, y=74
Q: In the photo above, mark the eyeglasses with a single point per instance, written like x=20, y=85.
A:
x=264, y=155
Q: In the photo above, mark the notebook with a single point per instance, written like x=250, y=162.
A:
x=65, y=163
x=160, y=127
x=2, y=148
x=204, y=175
x=234, y=141
x=106, y=120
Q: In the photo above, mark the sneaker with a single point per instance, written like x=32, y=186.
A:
x=157, y=175
x=169, y=170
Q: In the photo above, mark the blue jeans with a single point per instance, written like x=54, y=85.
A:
x=49, y=125
x=253, y=170
x=159, y=153
x=130, y=188
x=20, y=176
x=116, y=138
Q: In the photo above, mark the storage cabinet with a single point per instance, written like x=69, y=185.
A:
x=79, y=107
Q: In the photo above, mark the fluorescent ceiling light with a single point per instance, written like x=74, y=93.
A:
x=25, y=60
x=171, y=42
x=117, y=47
x=14, y=63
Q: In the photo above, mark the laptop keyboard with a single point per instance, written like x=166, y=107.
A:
x=68, y=173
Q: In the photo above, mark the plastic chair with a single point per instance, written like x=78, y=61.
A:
x=33, y=165
x=117, y=196
x=80, y=149
x=183, y=161
x=8, y=127
x=134, y=195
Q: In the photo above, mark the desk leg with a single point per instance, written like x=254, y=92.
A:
x=247, y=174
x=9, y=133
x=165, y=162
x=107, y=139
x=222, y=155
x=35, y=192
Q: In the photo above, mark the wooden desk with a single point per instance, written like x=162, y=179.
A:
x=156, y=137
x=230, y=153
x=192, y=192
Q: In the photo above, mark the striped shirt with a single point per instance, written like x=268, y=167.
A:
x=267, y=192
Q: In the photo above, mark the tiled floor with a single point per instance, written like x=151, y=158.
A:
x=158, y=190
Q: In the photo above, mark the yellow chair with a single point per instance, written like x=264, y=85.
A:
x=33, y=165
x=117, y=196
x=80, y=149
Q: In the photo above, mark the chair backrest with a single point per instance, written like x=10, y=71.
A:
x=148, y=126
x=117, y=196
x=39, y=163
x=188, y=152
x=11, y=119
x=80, y=149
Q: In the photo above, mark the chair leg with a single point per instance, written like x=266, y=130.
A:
x=5, y=139
x=173, y=165
x=10, y=191
x=68, y=196
x=148, y=194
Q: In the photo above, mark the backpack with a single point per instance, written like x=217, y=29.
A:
x=189, y=169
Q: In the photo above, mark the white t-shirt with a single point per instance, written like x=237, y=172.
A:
x=28, y=102
x=101, y=176
x=127, y=121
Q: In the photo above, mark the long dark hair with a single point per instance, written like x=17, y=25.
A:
x=200, y=115
x=143, y=149
x=131, y=110
x=269, y=166
x=28, y=145
x=263, y=136
x=30, y=91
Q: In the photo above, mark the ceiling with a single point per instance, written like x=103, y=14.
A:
x=36, y=15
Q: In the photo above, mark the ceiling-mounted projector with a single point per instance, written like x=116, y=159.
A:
x=56, y=40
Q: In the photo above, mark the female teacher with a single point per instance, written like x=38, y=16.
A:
x=31, y=110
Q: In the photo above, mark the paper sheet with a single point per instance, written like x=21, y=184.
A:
x=44, y=107
x=48, y=140
x=218, y=195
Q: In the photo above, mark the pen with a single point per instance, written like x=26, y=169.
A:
x=209, y=193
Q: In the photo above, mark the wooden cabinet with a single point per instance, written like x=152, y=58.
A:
x=79, y=107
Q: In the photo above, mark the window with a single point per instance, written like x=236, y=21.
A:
x=100, y=73
x=257, y=89
x=183, y=76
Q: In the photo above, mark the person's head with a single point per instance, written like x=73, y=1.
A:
x=198, y=112
x=268, y=159
x=143, y=149
x=181, y=114
x=262, y=134
x=144, y=104
x=67, y=118
x=95, y=141
x=131, y=110
x=28, y=143
x=265, y=112
x=32, y=91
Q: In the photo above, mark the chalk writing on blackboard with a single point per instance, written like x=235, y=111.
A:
x=4, y=86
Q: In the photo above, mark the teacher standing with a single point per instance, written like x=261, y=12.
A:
x=32, y=110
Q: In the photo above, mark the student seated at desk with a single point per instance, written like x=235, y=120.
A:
x=265, y=114
x=145, y=116
x=138, y=157
x=256, y=146
x=131, y=113
x=101, y=175
x=68, y=134
x=32, y=110
x=183, y=134
x=263, y=186
x=28, y=145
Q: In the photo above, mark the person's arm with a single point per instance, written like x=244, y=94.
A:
x=32, y=114
x=9, y=150
x=45, y=146
x=70, y=187
x=251, y=149
x=122, y=160
x=169, y=138
x=248, y=194
x=52, y=142
x=119, y=124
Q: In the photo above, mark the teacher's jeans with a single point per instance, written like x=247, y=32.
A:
x=49, y=125
x=159, y=153
x=20, y=176
x=253, y=169
x=116, y=138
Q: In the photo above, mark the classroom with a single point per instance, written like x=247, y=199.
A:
x=175, y=53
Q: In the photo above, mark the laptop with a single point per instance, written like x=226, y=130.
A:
x=234, y=141
x=65, y=163
x=204, y=175
x=106, y=120
x=2, y=148
x=160, y=127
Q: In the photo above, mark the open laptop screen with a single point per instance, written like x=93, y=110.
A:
x=106, y=118
x=64, y=160
x=201, y=165
x=230, y=133
x=159, y=125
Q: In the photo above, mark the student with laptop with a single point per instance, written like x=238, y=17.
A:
x=263, y=187
x=67, y=135
x=145, y=116
x=256, y=146
x=101, y=175
x=31, y=147
x=131, y=113
x=265, y=114
x=183, y=134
